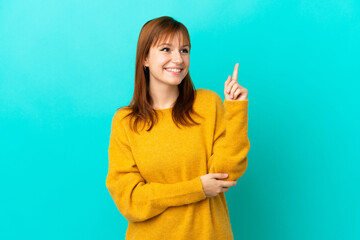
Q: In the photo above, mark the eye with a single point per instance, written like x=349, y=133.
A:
x=186, y=51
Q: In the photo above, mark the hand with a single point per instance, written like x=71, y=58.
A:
x=233, y=90
x=212, y=187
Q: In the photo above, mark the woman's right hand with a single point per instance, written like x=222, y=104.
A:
x=212, y=186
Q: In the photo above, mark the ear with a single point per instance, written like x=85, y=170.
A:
x=146, y=64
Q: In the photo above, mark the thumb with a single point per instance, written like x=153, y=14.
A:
x=220, y=175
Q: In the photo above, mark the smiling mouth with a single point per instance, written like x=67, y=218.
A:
x=173, y=71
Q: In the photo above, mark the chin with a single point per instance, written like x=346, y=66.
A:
x=175, y=83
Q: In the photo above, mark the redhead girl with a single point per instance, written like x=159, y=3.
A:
x=174, y=150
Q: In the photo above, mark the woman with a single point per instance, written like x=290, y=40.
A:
x=168, y=152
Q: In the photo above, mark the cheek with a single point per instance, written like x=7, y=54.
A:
x=162, y=60
x=187, y=61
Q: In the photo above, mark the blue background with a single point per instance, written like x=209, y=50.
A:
x=66, y=66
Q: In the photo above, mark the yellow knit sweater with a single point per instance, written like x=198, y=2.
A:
x=154, y=177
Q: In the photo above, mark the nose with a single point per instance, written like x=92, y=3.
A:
x=176, y=57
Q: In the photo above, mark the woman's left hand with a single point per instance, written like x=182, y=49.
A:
x=233, y=90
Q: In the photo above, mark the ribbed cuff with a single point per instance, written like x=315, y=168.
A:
x=197, y=188
x=236, y=109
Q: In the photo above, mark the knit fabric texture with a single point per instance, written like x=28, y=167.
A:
x=154, y=177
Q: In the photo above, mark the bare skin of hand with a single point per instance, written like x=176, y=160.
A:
x=212, y=186
x=233, y=90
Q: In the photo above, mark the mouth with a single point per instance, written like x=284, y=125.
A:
x=175, y=71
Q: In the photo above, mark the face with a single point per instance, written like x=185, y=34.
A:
x=166, y=60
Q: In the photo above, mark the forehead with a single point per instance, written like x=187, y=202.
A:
x=171, y=37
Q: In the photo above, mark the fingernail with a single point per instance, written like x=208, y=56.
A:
x=225, y=175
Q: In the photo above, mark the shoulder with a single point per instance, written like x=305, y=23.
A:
x=208, y=95
x=120, y=116
x=208, y=102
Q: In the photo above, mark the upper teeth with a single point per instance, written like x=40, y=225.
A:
x=173, y=69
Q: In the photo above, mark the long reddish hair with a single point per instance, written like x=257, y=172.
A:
x=141, y=108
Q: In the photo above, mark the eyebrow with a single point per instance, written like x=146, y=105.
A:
x=167, y=44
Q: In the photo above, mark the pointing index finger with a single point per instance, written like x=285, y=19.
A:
x=235, y=73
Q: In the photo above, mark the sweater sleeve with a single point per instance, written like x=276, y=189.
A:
x=231, y=143
x=136, y=199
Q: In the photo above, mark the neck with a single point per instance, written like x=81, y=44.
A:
x=163, y=95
